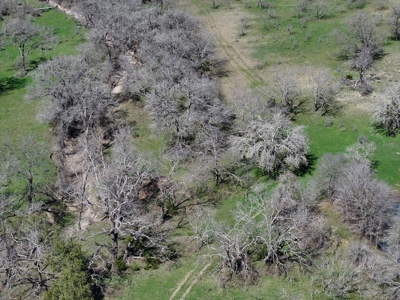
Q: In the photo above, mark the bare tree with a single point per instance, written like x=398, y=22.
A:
x=286, y=91
x=73, y=93
x=119, y=181
x=287, y=221
x=393, y=237
x=375, y=274
x=273, y=144
x=396, y=22
x=328, y=171
x=382, y=4
x=365, y=203
x=338, y=279
x=27, y=36
x=383, y=271
x=320, y=8
x=323, y=90
x=17, y=9
x=361, y=44
x=362, y=63
x=23, y=249
x=214, y=4
x=387, y=111
x=186, y=108
x=31, y=169
x=25, y=234
x=248, y=104
x=362, y=151
x=302, y=7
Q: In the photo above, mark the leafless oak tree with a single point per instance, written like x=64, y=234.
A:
x=26, y=205
x=119, y=181
x=386, y=113
x=276, y=229
x=365, y=203
x=328, y=172
x=73, y=93
x=396, y=22
x=273, y=144
x=361, y=44
x=320, y=7
x=27, y=36
x=286, y=91
x=323, y=90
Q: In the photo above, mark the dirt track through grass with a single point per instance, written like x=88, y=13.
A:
x=231, y=52
x=201, y=273
x=193, y=281
x=179, y=286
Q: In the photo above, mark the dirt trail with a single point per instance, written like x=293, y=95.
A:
x=193, y=281
x=237, y=61
x=69, y=12
x=201, y=273
x=179, y=286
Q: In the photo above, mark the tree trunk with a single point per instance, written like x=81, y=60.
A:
x=114, y=238
x=23, y=58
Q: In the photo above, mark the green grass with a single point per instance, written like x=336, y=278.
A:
x=17, y=117
x=146, y=141
x=163, y=283
x=313, y=43
x=334, y=139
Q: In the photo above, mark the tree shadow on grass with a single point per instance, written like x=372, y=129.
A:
x=309, y=168
x=11, y=83
x=34, y=63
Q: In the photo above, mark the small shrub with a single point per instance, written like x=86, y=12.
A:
x=120, y=265
x=135, y=267
x=151, y=263
x=328, y=122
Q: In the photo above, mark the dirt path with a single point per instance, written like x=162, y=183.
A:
x=237, y=61
x=179, y=286
x=69, y=12
x=189, y=278
x=201, y=273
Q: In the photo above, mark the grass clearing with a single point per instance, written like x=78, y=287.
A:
x=134, y=114
x=17, y=117
x=345, y=131
x=173, y=281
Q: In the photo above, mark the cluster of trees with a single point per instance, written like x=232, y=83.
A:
x=283, y=228
x=162, y=57
x=279, y=229
x=16, y=8
x=360, y=39
x=28, y=207
x=365, y=203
